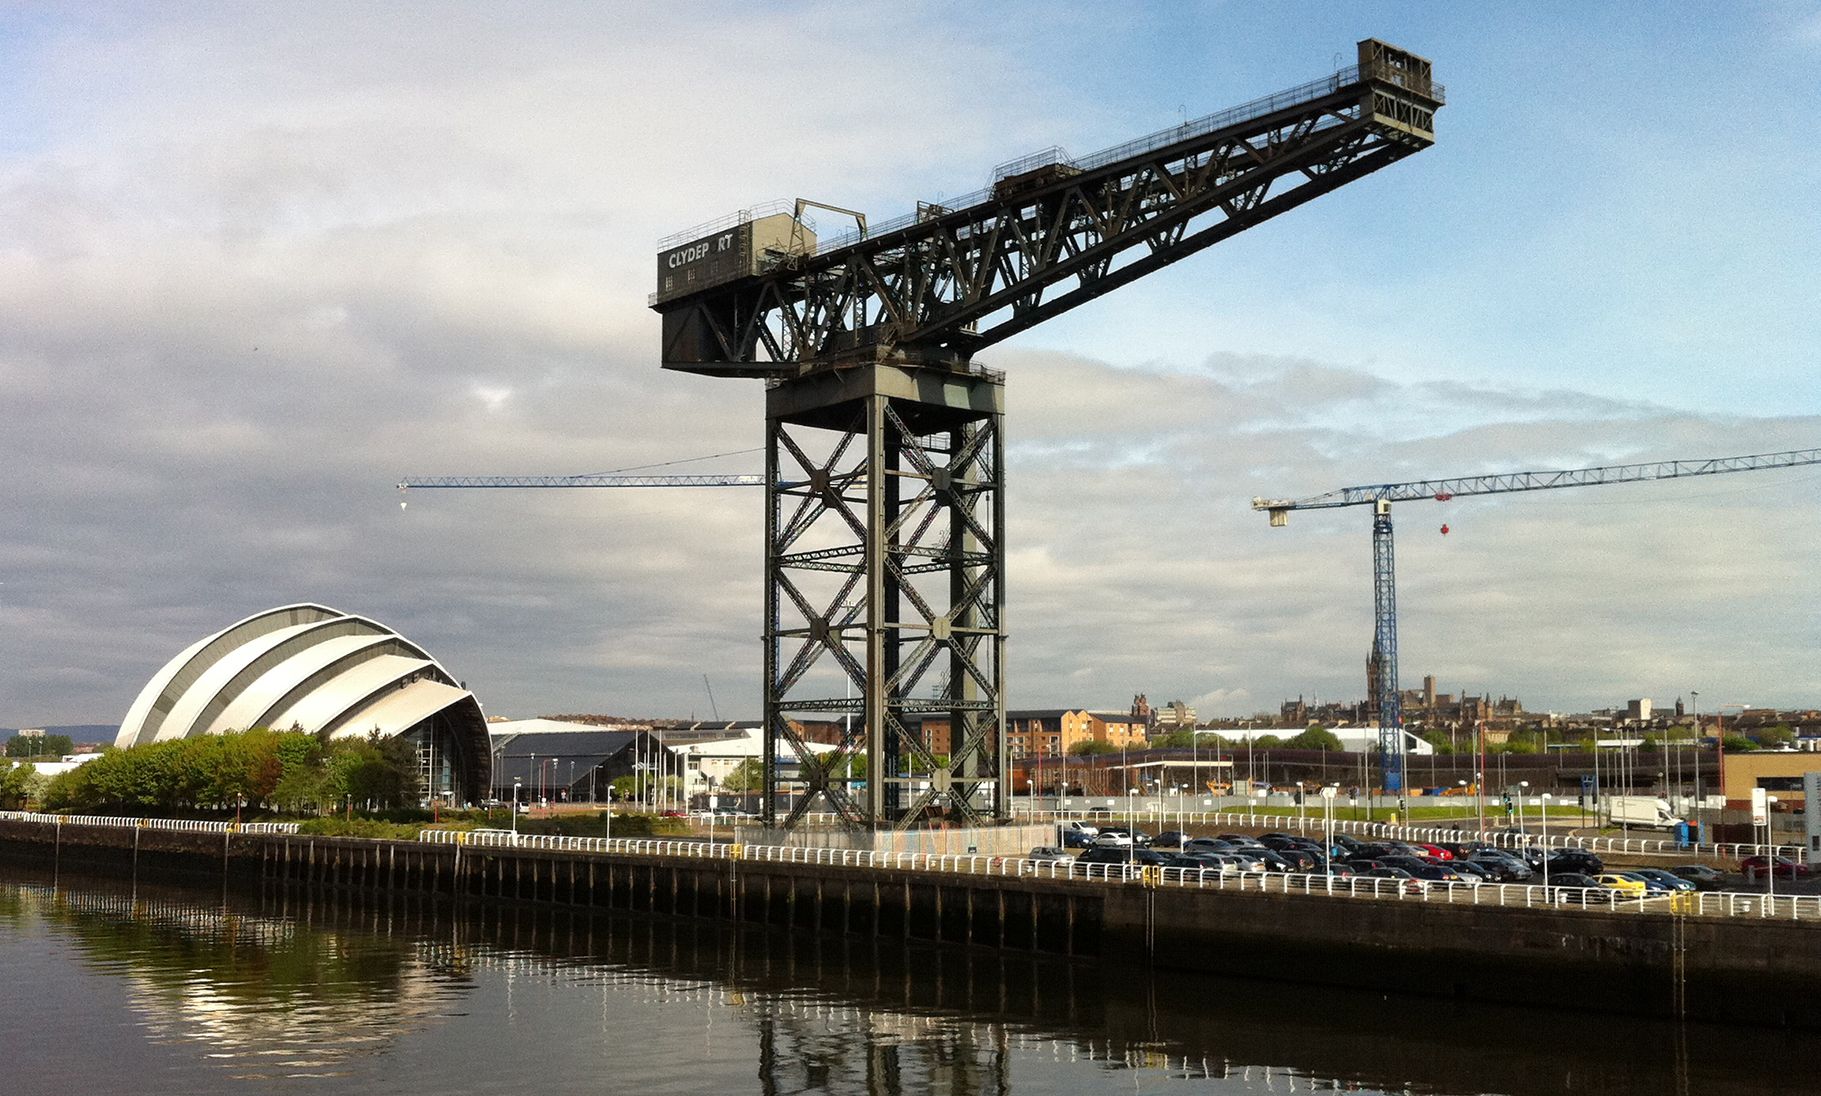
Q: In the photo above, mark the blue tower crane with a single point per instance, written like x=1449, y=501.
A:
x=1380, y=496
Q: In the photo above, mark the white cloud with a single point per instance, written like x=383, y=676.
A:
x=253, y=272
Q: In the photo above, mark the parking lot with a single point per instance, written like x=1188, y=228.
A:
x=1644, y=880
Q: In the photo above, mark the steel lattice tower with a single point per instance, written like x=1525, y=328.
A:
x=1390, y=694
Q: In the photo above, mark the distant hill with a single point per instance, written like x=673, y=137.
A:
x=79, y=732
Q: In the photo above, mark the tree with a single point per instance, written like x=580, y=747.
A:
x=373, y=772
x=1316, y=737
x=20, y=784
x=1738, y=743
x=1090, y=746
x=1777, y=736
x=50, y=746
x=747, y=776
x=1267, y=742
x=290, y=770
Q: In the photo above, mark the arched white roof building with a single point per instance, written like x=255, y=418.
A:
x=320, y=670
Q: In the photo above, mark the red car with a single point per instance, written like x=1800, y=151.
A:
x=1435, y=851
x=1754, y=866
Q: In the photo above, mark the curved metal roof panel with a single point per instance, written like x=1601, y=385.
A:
x=148, y=712
x=325, y=706
x=252, y=708
x=399, y=710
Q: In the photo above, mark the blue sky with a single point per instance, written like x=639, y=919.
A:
x=257, y=262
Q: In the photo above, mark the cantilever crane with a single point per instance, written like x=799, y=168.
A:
x=874, y=403
x=1384, y=572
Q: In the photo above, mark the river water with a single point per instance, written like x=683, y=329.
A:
x=108, y=986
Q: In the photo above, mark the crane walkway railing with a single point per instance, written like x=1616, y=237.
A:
x=180, y=825
x=1313, y=824
x=1592, y=900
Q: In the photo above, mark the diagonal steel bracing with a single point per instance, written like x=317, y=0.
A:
x=884, y=567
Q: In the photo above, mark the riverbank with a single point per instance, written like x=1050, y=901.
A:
x=1738, y=969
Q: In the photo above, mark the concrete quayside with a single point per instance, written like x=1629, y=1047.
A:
x=1736, y=965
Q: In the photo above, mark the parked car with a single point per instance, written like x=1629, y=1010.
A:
x=1112, y=839
x=1653, y=887
x=1204, y=862
x=1589, y=887
x=1078, y=835
x=1436, y=851
x=1622, y=885
x=1048, y=852
x=1209, y=844
x=1241, y=859
x=1575, y=860
x=1409, y=884
x=1299, y=858
x=1502, y=868
x=1437, y=873
x=1471, y=872
x=1113, y=854
x=1169, y=839
x=1337, y=868
x=1702, y=876
x=1669, y=879
x=1270, y=859
x=1755, y=867
x=1405, y=861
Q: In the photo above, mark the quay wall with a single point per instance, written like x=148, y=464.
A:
x=1733, y=969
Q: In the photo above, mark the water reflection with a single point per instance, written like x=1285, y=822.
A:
x=265, y=994
x=341, y=996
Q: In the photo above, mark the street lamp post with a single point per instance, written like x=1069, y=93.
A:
x=515, y=788
x=1545, y=798
x=1696, y=744
x=1523, y=790
x=1770, y=854
x=1328, y=792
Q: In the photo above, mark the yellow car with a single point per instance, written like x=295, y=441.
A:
x=1625, y=885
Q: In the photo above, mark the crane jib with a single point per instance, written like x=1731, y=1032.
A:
x=1441, y=490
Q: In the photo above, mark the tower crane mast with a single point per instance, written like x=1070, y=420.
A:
x=1388, y=695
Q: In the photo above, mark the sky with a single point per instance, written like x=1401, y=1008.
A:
x=258, y=262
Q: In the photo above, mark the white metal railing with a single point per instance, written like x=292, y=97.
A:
x=181, y=825
x=1313, y=823
x=1527, y=896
